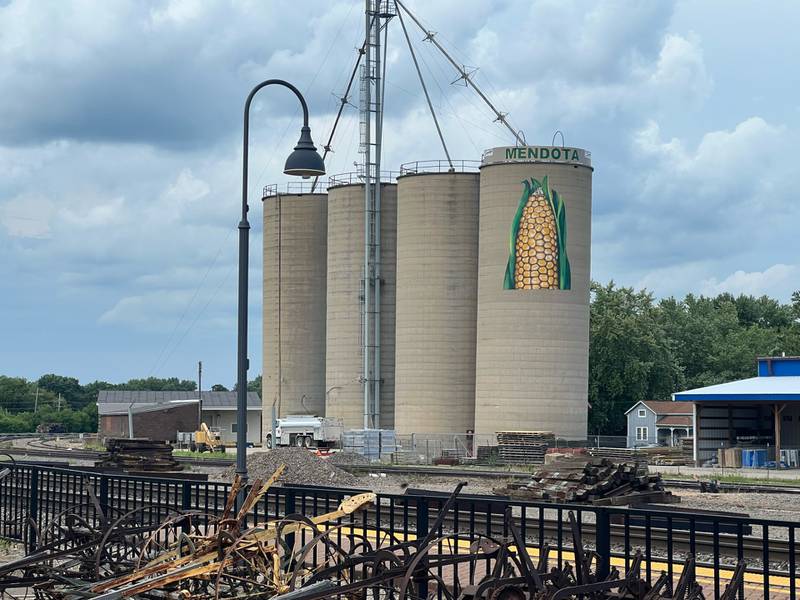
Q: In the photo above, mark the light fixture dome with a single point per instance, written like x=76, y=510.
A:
x=305, y=161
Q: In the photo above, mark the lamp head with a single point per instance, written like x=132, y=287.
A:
x=305, y=161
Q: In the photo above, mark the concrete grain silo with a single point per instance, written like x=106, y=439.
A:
x=295, y=263
x=344, y=358
x=533, y=291
x=437, y=280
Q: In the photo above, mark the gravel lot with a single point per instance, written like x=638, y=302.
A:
x=785, y=507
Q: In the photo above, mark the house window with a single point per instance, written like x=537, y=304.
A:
x=234, y=426
x=641, y=434
x=642, y=413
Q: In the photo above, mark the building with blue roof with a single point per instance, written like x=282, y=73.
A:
x=761, y=412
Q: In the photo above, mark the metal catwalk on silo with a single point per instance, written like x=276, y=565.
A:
x=533, y=291
x=295, y=276
x=437, y=281
x=344, y=367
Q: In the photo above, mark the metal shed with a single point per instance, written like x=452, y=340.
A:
x=761, y=412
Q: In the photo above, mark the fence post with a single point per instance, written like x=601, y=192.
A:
x=186, y=495
x=421, y=572
x=603, y=542
x=288, y=509
x=103, y=497
x=33, y=508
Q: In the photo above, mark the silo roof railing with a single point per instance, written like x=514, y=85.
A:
x=294, y=187
x=357, y=178
x=440, y=166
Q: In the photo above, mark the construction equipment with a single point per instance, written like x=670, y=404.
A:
x=206, y=439
x=306, y=431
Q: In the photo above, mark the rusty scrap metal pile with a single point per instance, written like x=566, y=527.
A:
x=194, y=556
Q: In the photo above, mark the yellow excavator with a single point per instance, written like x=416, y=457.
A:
x=205, y=440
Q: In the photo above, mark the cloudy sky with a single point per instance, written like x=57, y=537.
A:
x=120, y=150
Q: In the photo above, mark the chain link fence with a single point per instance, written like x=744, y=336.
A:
x=469, y=448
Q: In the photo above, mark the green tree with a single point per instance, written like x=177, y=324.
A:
x=68, y=388
x=718, y=339
x=630, y=357
x=254, y=385
x=17, y=394
x=218, y=387
x=157, y=384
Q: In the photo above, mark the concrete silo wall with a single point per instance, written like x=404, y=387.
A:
x=295, y=263
x=344, y=359
x=437, y=278
x=533, y=344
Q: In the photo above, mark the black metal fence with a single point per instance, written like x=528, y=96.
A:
x=33, y=498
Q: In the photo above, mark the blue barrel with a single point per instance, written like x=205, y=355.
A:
x=747, y=457
x=759, y=457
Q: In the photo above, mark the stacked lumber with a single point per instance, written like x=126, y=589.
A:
x=524, y=447
x=687, y=447
x=598, y=481
x=665, y=455
x=138, y=454
x=619, y=454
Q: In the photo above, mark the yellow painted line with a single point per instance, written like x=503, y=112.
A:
x=706, y=573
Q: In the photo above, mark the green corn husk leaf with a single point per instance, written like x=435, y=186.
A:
x=508, y=280
x=564, y=271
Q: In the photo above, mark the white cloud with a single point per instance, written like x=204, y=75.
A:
x=681, y=69
x=176, y=12
x=27, y=216
x=103, y=214
x=777, y=281
x=181, y=195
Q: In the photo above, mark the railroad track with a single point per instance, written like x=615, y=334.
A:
x=423, y=470
x=47, y=452
x=44, y=449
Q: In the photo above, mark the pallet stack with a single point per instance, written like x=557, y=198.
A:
x=524, y=447
x=597, y=481
x=138, y=455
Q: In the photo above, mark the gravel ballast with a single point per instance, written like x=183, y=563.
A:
x=301, y=467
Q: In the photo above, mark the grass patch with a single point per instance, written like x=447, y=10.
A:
x=6, y=545
x=205, y=455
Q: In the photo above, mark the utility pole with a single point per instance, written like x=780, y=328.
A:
x=59, y=403
x=199, y=392
x=36, y=401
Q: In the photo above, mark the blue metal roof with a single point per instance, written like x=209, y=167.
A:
x=755, y=389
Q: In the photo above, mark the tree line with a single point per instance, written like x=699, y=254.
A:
x=52, y=398
x=640, y=348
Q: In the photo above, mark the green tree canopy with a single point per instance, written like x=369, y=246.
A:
x=630, y=357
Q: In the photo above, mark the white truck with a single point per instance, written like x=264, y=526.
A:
x=306, y=431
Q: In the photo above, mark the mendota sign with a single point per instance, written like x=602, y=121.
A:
x=550, y=154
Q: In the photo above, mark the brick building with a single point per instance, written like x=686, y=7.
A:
x=160, y=415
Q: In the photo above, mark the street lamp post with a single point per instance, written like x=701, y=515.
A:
x=303, y=162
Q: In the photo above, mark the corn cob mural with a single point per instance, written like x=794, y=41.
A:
x=538, y=242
